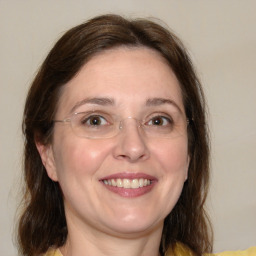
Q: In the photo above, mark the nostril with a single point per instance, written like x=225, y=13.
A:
x=130, y=144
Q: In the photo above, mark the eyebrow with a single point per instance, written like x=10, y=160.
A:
x=162, y=101
x=94, y=101
x=151, y=102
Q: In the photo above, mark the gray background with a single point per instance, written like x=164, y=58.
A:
x=221, y=37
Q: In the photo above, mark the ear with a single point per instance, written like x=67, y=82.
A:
x=48, y=160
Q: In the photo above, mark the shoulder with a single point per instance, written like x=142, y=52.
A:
x=182, y=250
x=249, y=252
x=53, y=252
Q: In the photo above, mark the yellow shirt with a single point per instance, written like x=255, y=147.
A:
x=183, y=252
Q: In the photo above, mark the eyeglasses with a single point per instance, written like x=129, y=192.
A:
x=96, y=126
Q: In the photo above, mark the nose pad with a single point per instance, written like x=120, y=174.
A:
x=124, y=122
x=131, y=144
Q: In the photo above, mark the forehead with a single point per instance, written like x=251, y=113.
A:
x=128, y=75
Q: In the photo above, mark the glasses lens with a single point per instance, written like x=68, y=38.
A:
x=171, y=131
x=99, y=126
x=92, y=126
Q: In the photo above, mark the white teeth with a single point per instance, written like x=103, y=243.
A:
x=119, y=183
x=127, y=183
x=141, y=183
x=113, y=183
x=135, y=183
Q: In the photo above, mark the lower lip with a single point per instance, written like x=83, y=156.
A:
x=130, y=192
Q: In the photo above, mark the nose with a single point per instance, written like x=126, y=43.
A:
x=131, y=144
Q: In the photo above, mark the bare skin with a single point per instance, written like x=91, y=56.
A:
x=103, y=220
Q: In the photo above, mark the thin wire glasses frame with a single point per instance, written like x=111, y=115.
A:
x=98, y=126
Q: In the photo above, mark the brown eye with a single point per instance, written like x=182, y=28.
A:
x=160, y=121
x=94, y=121
x=157, y=121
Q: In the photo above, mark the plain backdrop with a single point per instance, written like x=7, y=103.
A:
x=221, y=38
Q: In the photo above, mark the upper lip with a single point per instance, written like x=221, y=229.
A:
x=128, y=175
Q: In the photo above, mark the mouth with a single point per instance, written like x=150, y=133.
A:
x=129, y=184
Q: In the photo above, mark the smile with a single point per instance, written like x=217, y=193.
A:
x=127, y=183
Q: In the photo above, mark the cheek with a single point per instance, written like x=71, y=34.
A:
x=173, y=159
x=173, y=156
x=78, y=157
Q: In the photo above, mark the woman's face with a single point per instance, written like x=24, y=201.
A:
x=122, y=82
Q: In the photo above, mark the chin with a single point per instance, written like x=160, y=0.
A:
x=134, y=224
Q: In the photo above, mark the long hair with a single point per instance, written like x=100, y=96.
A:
x=42, y=223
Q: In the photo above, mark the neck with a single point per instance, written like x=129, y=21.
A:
x=97, y=243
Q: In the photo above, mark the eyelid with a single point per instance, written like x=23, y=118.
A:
x=115, y=118
x=93, y=112
x=167, y=119
x=158, y=114
x=102, y=119
x=88, y=114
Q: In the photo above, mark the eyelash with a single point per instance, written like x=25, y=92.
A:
x=84, y=120
x=169, y=120
x=90, y=116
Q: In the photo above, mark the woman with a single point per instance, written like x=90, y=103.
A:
x=116, y=146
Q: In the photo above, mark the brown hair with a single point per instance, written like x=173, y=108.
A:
x=42, y=223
